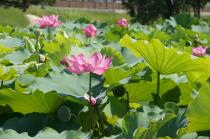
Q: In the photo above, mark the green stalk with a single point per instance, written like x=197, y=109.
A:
x=49, y=33
x=158, y=89
x=2, y=82
x=37, y=52
x=37, y=48
x=101, y=132
x=90, y=95
x=90, y=86
x=128, y=107
x=88, y=41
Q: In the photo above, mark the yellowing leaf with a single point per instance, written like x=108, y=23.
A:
x=5, y=50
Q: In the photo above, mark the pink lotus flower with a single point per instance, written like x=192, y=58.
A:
x=77, y=64
x=97, y=64
x=199, y=51
x=91, y=100
x=122, y=22
x=48, y=21
x=90, y=30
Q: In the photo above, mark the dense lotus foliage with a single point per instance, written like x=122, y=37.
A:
x=81, y=80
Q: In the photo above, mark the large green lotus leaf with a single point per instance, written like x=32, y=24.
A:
x=17, y=57
x=2, y=72
x=132, y=121
x=47, y=133
x=112, y=35
x=4, y=50
x=88, y=119
x=160, y=35
x=165, y=137
x=139, y=92
x=12, y=42
x=31, y=123
x=172, y=123
x=116, y=107
x=114, y=75
x=146, y=133
x=186, y=93
x=34, y=122
x=29, y=103
x=131, y=44
x=60, y=47
x=200, y=77
x=117, y=58
x=183, y=32
x=165, y=60
x=192, y=136
x=6, y=29
x=198, y=111
x=51, y=47
x=184, y=87
x=143, y=90
x=63, y=83
x=154, y=127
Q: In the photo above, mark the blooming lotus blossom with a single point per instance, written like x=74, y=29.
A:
x=77, y=64
x=122, y=22
x=199, y=51
x=48, y=21
x=97, y=64
x=90, y=30
x=91, y=99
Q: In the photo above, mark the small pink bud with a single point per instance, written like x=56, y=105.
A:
x=90, y=30
x=92, y=101
x=122, y=22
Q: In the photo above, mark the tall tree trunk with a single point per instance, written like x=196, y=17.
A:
x=170, y=8
x=26, y=4
x=197, y=8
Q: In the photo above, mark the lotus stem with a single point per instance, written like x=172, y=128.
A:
x=49, y=33
x=101, y=124
x=2, y=82
x=90, y=94
x=158, y=89
x=128, y=107
x=37, y=52
x=90, y=86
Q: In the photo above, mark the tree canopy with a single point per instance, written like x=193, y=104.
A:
x=149, y=10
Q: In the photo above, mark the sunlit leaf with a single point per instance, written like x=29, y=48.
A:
x=198, y=111
x=165, y=60
x=29, y=103
x=117, y=58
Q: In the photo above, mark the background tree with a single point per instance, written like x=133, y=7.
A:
x=24, y=4
x=149, y=10
x=197, y=5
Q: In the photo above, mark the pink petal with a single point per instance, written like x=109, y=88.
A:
x=99, y=71
x=48, y=21
x=74, y=70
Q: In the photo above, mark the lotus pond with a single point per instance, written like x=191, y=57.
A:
x=80, y=80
